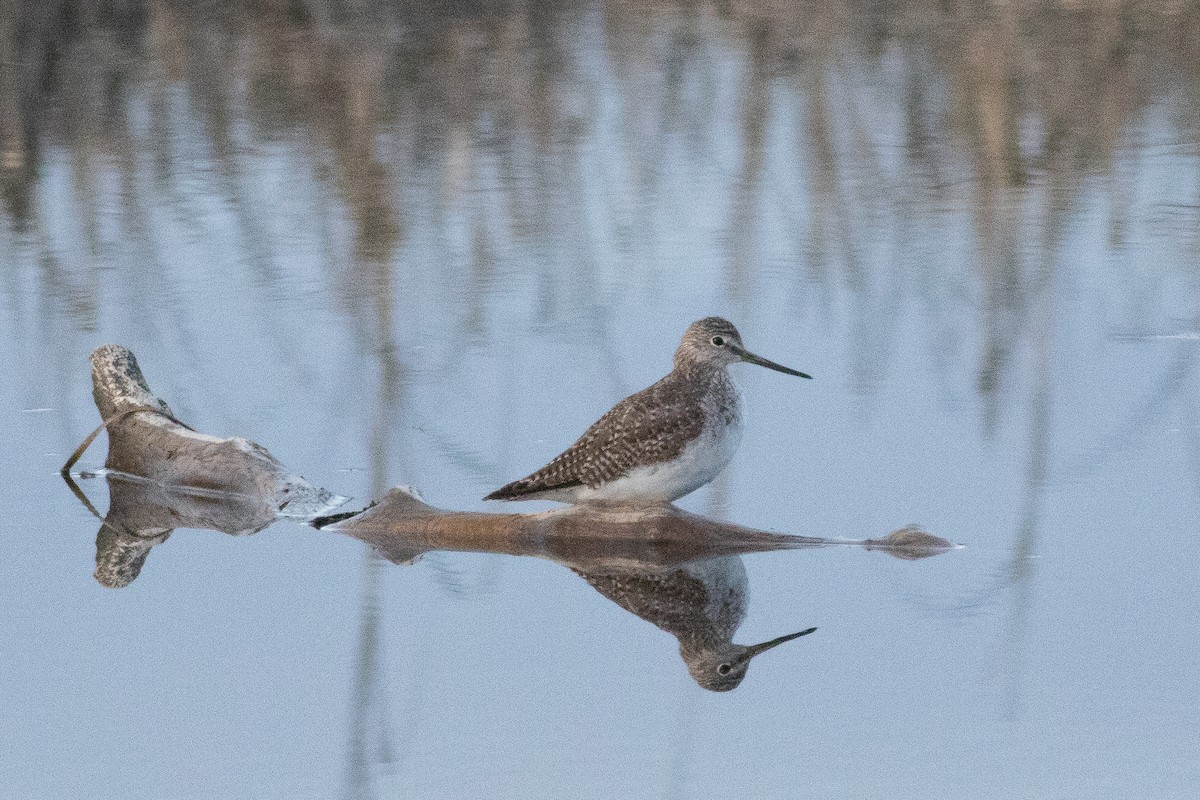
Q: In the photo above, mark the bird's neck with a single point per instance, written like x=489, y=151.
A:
x=701, y=371
x=702, y=639
x=712, y=382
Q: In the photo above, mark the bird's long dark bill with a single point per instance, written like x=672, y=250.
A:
x=755, y=649
x=762, y=362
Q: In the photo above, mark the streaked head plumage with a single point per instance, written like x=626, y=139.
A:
x=722, y=668
x=714, y=342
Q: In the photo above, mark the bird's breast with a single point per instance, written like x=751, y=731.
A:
x=722, y=409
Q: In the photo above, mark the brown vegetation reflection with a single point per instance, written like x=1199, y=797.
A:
x=485, y=127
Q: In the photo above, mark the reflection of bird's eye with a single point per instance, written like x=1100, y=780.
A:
x=724, y=669
x=718, y=341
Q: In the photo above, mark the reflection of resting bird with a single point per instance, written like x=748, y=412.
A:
x=700, y=603
x=120, y=555
x=143, y=514
x=662, y=442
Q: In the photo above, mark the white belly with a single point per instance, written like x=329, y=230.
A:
x=695, y=466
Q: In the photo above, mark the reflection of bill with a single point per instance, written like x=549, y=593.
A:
x=679, y=571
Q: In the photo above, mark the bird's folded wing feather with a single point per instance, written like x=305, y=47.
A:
x=651, y=426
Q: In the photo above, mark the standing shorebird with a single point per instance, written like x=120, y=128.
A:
x=661, y=443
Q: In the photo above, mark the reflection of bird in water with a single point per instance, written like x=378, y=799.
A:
x=120, y=554
x=662, y=442
x=700, y=603
x=679, y=571
x=143, y=514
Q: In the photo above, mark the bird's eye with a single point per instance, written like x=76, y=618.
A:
x=718, y=341
x=724, y=669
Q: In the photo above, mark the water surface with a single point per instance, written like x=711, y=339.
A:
x=427, y=247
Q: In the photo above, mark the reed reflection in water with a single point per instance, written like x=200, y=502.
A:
x=403, y=204
x=543, y=166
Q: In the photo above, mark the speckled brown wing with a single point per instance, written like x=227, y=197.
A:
x=651, y=426
x=674, y=600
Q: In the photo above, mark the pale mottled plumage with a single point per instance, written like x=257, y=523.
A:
x=661, y=442
x=654, y=425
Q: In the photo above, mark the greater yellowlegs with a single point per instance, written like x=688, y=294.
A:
x=662, y=442
x=700, y=603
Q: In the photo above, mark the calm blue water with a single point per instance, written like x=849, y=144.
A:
x=429, y=248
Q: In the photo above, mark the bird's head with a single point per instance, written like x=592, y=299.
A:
x=722, y=669
x=714, y=341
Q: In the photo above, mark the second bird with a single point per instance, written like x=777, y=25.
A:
x=662, y=442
